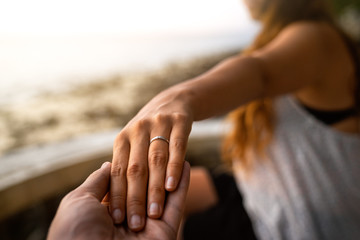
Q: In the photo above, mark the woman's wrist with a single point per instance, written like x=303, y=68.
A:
x=181, y=94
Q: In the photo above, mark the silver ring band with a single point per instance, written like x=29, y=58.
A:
x=160, y=138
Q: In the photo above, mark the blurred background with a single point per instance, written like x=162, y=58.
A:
x=74, y=68
x=56, y=54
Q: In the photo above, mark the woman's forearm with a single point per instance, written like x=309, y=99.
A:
x=233, y=82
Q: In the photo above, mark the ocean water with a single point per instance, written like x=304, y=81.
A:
x=34, y=64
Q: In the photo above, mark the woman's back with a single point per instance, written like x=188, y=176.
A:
x=307, y=186
x=335, y=90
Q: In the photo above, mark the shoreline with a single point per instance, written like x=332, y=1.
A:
x=92, y=107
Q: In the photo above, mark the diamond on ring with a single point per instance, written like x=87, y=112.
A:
x=159, y=138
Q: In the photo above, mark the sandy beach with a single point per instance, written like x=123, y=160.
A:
x=97, y=106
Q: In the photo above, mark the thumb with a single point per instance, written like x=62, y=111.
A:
x=97, y=183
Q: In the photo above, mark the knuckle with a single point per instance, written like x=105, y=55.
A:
x=158, y=159
x=117, y=170
x=159, y=117
x=136, y=170
x=118, y=198
x=157, y=190
x=140, y=125
x=179, y=117
x=179, y=144
x=120, y=138
x=135, y=202
x=176, y=165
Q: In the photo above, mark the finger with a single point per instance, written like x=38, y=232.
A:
x=177, y=149
x=118, y=182
x=158, y=157
x=137, y=177
x=175, y=204
x=97, y=183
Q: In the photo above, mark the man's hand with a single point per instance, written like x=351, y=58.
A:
x=81, y=215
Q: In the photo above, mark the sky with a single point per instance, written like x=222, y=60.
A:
x=45, y=44
x=69, y=17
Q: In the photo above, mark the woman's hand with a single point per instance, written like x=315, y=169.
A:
x=141, y=172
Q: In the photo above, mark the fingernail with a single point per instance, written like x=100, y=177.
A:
x=170, y=183
x=154, y=209
x=135, y=221
x=105, y=164
x=117, y=215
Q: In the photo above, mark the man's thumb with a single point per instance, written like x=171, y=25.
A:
x=97, y=183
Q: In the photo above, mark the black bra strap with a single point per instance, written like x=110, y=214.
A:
x=330, y=117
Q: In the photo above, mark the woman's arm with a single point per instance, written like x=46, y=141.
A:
x=304, y=55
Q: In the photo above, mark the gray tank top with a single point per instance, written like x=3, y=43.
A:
x=309, y=185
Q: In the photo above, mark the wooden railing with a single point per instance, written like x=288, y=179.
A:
x=33, y=174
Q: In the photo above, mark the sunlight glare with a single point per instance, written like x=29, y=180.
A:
x=115, y=16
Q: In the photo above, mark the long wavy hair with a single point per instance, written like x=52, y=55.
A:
x=253, y=124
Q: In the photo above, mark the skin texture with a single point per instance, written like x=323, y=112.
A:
x=307, y=59
x=81, y=215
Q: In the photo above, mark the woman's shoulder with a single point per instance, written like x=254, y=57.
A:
x=307, y=55
x=324, y=33
x=316, y=37
x=305, y=27
x=328, y=38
